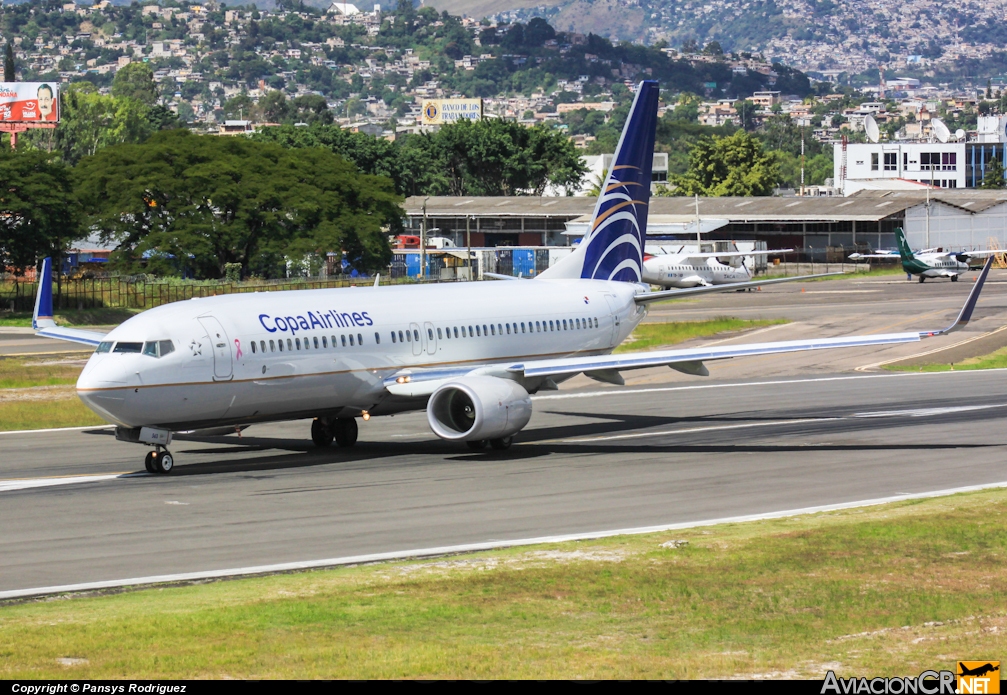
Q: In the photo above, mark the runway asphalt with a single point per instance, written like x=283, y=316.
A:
x=758, y=436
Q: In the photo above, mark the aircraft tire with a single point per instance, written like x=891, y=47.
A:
x=954, y=278
x=164, y=463
x=476, y=444
x=345, y=430
x=502, y=444
x=321, y=433
x=922, y=279
x=148, y=462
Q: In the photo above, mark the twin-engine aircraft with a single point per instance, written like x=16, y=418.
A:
x=688, y=269
x=929, y=263
x=470, y=354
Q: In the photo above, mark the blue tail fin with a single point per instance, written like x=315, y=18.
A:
x=42, y=318
x=613, y=246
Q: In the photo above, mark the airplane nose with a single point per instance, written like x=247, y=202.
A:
x=102, y=388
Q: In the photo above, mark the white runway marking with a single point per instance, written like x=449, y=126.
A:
x=637, y=435
x=928, y=412
x=28, y=483
x=476, y=547
x=775, y=382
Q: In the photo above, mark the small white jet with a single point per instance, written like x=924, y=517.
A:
x=700, y=269
x=470, y=354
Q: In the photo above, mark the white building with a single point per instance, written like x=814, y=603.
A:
x=940, y=164
x=598, y=164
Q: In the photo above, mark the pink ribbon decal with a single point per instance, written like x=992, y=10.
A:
x=237, y=344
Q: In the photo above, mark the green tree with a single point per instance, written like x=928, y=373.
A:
x=994, y=175
x=216, y=201
x=90, y=121
x=135, y=81
x=686, y=110
x=735, y=165
x=8, y=64
x=38, y=212
x=273, y=108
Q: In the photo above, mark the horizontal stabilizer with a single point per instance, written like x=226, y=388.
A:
x=690, y=291
x=73, y=335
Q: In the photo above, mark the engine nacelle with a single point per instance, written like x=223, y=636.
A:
x=478, y=407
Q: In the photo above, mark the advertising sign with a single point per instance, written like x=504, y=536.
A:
x=29, y=102
x=439, y=111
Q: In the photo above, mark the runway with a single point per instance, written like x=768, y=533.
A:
x=592, y=459
x=760, y=436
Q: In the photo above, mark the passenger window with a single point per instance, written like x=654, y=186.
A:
x=253, y=347
x=377, y=338
x=351, y=340
x=522, y=326
x=360, y=339
x=493, y=329
x=104, y=347
x=280, y=343
x=438, y=334
x=272, y=347
x=416, y=335
x=409, y=336
x=343, y=339
x=500, y=328
x=290, y=345
x=297, y=342
x=596, y=323
x=315, y=341
x=333, y=341
x=150, y=348
x=456, y=331
x=325, y=343
x=471, y=334
x=430, y=333
x=393, y=337
x=485, y=332
x=508, y=329
x=577, y=323
x=400, y=336
x=479, y=332
x=564, y=324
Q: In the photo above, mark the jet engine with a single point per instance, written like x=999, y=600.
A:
x=478, y=407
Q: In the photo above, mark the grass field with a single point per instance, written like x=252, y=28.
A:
x=887, y=590
x=994, y=360
x=42, y=414
x=652, y=335
x=36, y=393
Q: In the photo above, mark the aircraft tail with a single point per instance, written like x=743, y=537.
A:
x=613, y=247
x=42, y=316
x=905, y=251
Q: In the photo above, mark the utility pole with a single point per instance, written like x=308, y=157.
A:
x=468, y=243
x=423, y=242
x=699, y=237
x=802, y=165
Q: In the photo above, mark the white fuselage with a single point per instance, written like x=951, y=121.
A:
x=327, y=352
x=941, y=265
x=683, y=271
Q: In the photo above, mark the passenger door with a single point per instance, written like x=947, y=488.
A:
x=220, y=346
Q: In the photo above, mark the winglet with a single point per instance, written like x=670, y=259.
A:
x=377, y=279
x=965, y=315
x=42, y=317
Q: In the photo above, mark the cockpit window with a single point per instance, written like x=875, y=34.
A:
x=128, y=347
x=105, y=346
x=156, y=348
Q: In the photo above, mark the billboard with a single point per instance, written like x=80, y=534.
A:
x=29, y=102
x=440, y=111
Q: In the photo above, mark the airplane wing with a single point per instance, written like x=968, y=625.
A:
x=733, y=254
x=72, y=335
x=690, y=291
x=858, y=256
x=543, y=373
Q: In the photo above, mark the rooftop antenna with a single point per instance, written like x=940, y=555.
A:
x=871, y=127
x=940, y=130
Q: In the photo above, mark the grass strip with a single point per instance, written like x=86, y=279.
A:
x=42, y=414
x=652, y=335
x=25, y=372
x=884, y=590
x=994, y=360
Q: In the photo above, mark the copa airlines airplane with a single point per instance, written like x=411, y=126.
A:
x=929, y=263
x=700, y=269
x=470, y=354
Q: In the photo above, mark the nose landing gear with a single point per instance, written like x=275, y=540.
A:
x=159, y=462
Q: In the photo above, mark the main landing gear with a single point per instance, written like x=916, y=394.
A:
x=159, y=461
x=922, y=278
x=343, y=430
x=498, y=444
x=954, y=278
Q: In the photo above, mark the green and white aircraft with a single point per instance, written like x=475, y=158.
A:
x=929, y=263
